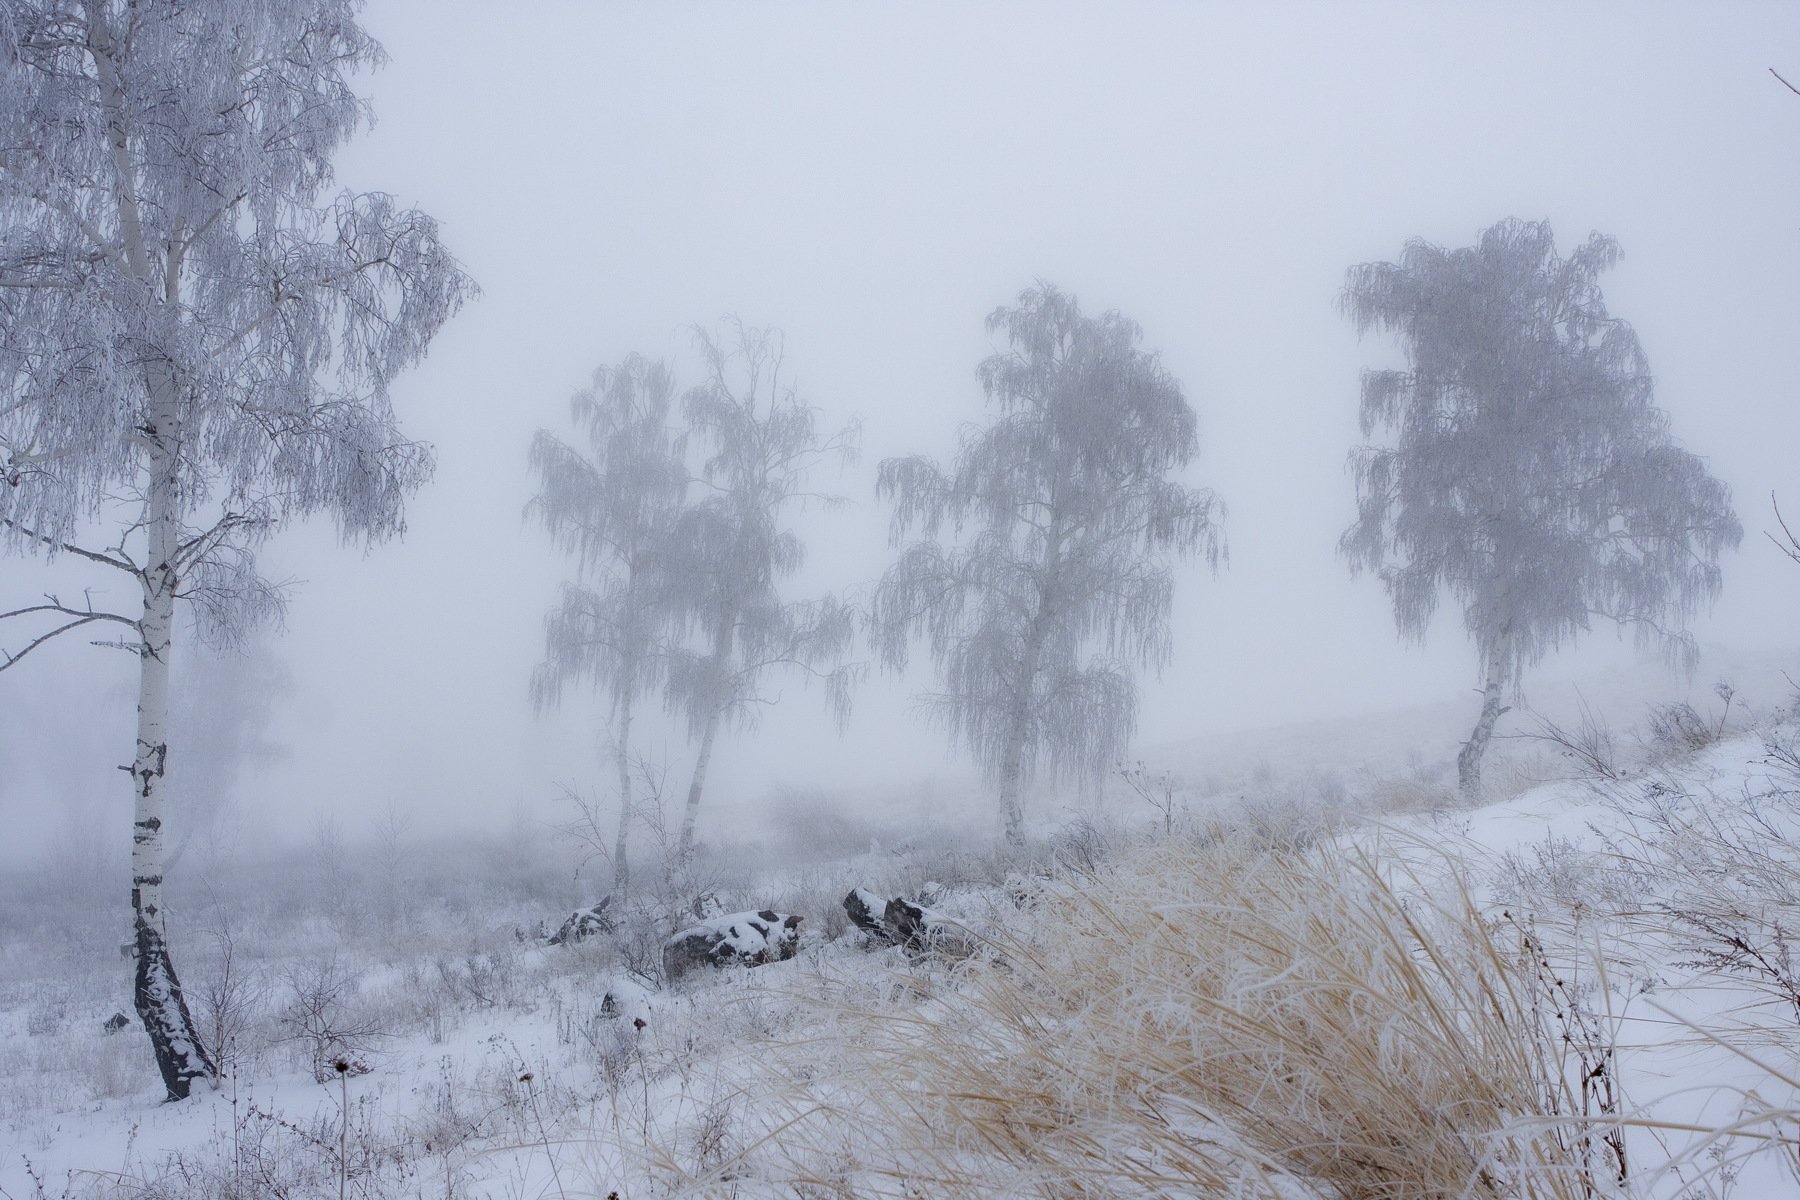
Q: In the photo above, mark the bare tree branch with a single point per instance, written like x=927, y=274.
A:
x=69, y=547
x=1792, y=546
x=81, y=618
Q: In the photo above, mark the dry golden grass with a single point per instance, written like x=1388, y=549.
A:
x=1218, y=1020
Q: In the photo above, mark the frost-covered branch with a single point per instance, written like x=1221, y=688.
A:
x=81, y=617
x=1791, y=547
x=62, y=547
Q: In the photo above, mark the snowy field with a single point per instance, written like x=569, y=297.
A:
x=1316, y=978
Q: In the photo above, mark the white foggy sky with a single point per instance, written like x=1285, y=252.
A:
x=874, y=179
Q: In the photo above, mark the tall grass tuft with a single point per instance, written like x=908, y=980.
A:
x=1229, y=1019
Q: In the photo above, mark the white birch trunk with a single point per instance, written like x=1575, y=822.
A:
x=721, y=664
x=1012, y=772
x=157, y=991
x=1012, y=759
x=692, y=812
x=1468, y=760
x=621, y=864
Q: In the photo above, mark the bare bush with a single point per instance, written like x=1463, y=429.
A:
x=229, y=999
x=1158, y=789
x=1676, y=730
x=324, y=1017
x=270, y=1155
x=1556, y=874
x=1588, y=743
x=1781, y=750
x=1081, y=846
x=1726, y=871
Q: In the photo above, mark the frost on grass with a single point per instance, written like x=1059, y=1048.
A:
x=1223, y=1013
x=1207, y=1018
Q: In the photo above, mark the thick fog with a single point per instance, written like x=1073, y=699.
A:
x=874, y=180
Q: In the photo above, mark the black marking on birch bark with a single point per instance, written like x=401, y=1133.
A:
x=155, y=756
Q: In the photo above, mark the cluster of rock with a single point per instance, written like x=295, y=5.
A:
x=897, y=921
x=754, y=939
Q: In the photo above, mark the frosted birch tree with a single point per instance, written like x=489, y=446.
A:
x=614, y=506
x=195, y=342
x=1530, y=477
x=756, y=442
x=1042, y=576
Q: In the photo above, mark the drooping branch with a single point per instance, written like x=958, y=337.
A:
x=104, y=248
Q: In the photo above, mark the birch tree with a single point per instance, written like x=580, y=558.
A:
x=757, y=443
x=615, y=507
x=1531, y=478
x=195, y=342
x=1042, y=575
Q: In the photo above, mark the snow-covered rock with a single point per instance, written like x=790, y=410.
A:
x=627, y=1000
x=584, y=923
x=902, y=922
x=747, y=939
x=866, y=911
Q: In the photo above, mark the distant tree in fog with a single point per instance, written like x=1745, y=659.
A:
x=1043, y=577
x=1531, y=477
x=195, y=344
x=614, y=504
x=755, y=443
x=223, y=703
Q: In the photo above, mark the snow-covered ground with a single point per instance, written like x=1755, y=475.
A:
x=1114, y=1018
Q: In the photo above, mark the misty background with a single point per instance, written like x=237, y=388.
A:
x=874, y=180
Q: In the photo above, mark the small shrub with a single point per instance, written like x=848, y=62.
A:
x=324, y=1017
x=1676, y=730
x=1588, y=743
x=229, y=998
